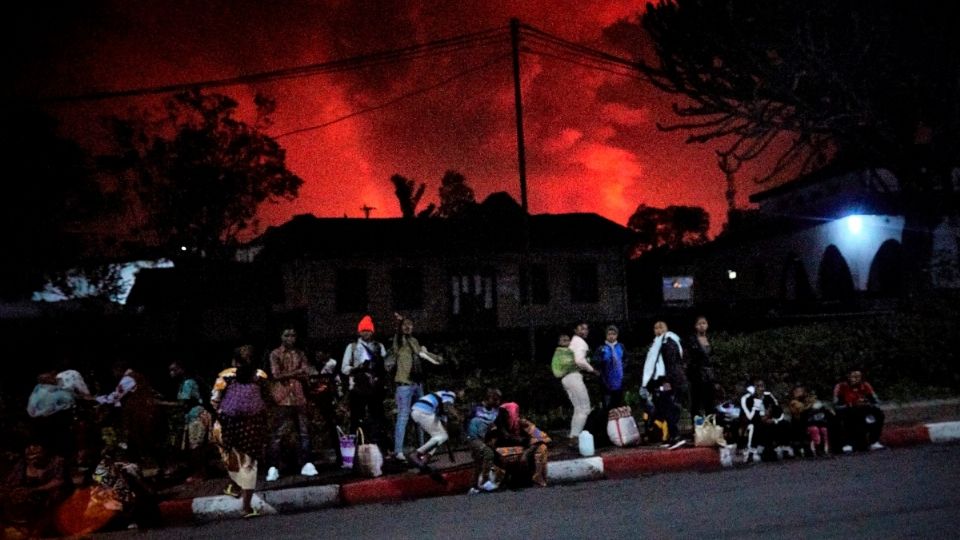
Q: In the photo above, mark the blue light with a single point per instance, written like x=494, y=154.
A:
x=855, y=224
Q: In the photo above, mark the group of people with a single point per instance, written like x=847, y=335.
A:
x=681, y=373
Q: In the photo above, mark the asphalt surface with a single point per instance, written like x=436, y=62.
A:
x=903, y=493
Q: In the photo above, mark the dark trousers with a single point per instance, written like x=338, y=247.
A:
x=666, y=408
x=612, y=399
x=858, y=431
x=702, y=400
x=327, y=410
x=285, y=418
x=366, y=410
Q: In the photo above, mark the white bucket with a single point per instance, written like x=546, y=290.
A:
x=586, y=444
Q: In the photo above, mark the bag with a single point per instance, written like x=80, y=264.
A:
x=369, y=461
x=348, y=448
x=622, y=427
x=709, y=433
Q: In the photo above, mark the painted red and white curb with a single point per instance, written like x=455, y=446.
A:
x=624, y=464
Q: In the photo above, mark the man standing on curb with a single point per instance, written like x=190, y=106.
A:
x=573, y=382
x=663, y=378
x=363, y=362
x=288, y=368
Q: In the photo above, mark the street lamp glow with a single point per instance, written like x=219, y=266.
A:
x=855, y=224
x=731, y=274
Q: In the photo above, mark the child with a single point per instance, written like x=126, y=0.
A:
x=610, y=357
x=809, y=412
x=563, y=363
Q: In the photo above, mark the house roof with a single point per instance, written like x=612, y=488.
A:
x=204, y=283
x=496, y=225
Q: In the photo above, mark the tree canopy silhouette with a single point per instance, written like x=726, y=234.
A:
x=199, y=173
x=409, y=195
x=672, y=227
x=456, y=197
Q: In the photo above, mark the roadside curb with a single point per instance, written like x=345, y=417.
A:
x=386, y=489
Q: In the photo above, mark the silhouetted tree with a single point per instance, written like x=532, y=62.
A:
x=798, y=84
x=199, y=173
x=456, y=197
x=672, y=227
x=409, y=195
x=49, y=194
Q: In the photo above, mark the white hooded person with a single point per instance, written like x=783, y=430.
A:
x=664, y=379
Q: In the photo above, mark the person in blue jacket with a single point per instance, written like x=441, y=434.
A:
x=610, y=358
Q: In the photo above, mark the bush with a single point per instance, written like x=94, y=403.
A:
x=905, y=356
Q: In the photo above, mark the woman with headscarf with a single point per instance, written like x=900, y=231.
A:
x=519, y=442
x=238, y=398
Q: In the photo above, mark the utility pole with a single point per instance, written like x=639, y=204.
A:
x=526, y=276
x=367, y=209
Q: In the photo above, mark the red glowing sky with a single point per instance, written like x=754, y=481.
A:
x=592, y=143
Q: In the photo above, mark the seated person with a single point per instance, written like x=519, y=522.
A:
x=34, y=487
x=479, y=420
x=810, y=419
x=862, y=419
x=520, y=446
x=764, y=424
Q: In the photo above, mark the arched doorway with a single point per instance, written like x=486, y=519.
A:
x=836, y=282
x=886, y=270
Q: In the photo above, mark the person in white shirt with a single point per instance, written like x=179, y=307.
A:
x=573, y=382
x=363, y=363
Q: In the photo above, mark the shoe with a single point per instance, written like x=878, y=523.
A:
x=677, y=444
x=473, y=491
x=230, y=492
x=489, y=486
x=415, y=458
x=308, y=470
x=847, y=449
x=273, y=474
x=252, y=514
x=877, y=446
x=400, y=457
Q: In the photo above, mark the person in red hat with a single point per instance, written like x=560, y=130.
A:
x=363, y=363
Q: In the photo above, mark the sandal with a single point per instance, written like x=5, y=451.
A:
x=254, y=513
x=229, y=491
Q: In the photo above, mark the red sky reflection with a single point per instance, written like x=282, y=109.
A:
x=592, y=143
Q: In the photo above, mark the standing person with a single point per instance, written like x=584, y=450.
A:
x=862, y=419
x=405, y=353
x=431, y=412
x=51, y=409
x=363, y=362
x=192, y=428
x=663, y=378
x=323, y=390
x=610, y=357
x=700, y=370
x=289, y=369
x=135, y=398
x=573, y=381
x=238, y=398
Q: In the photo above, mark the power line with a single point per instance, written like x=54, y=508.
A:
x=484, y=37
x=401, y=97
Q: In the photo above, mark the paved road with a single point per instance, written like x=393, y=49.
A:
x=888, y=494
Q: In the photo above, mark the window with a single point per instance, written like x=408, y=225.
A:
x=583, y=283
x=473, y=298
x=351, y=294
x=541, y=285
x=407, y=288
x=678, y=290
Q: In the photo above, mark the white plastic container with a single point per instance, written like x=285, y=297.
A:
x=586, y=444
x=726, y=454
